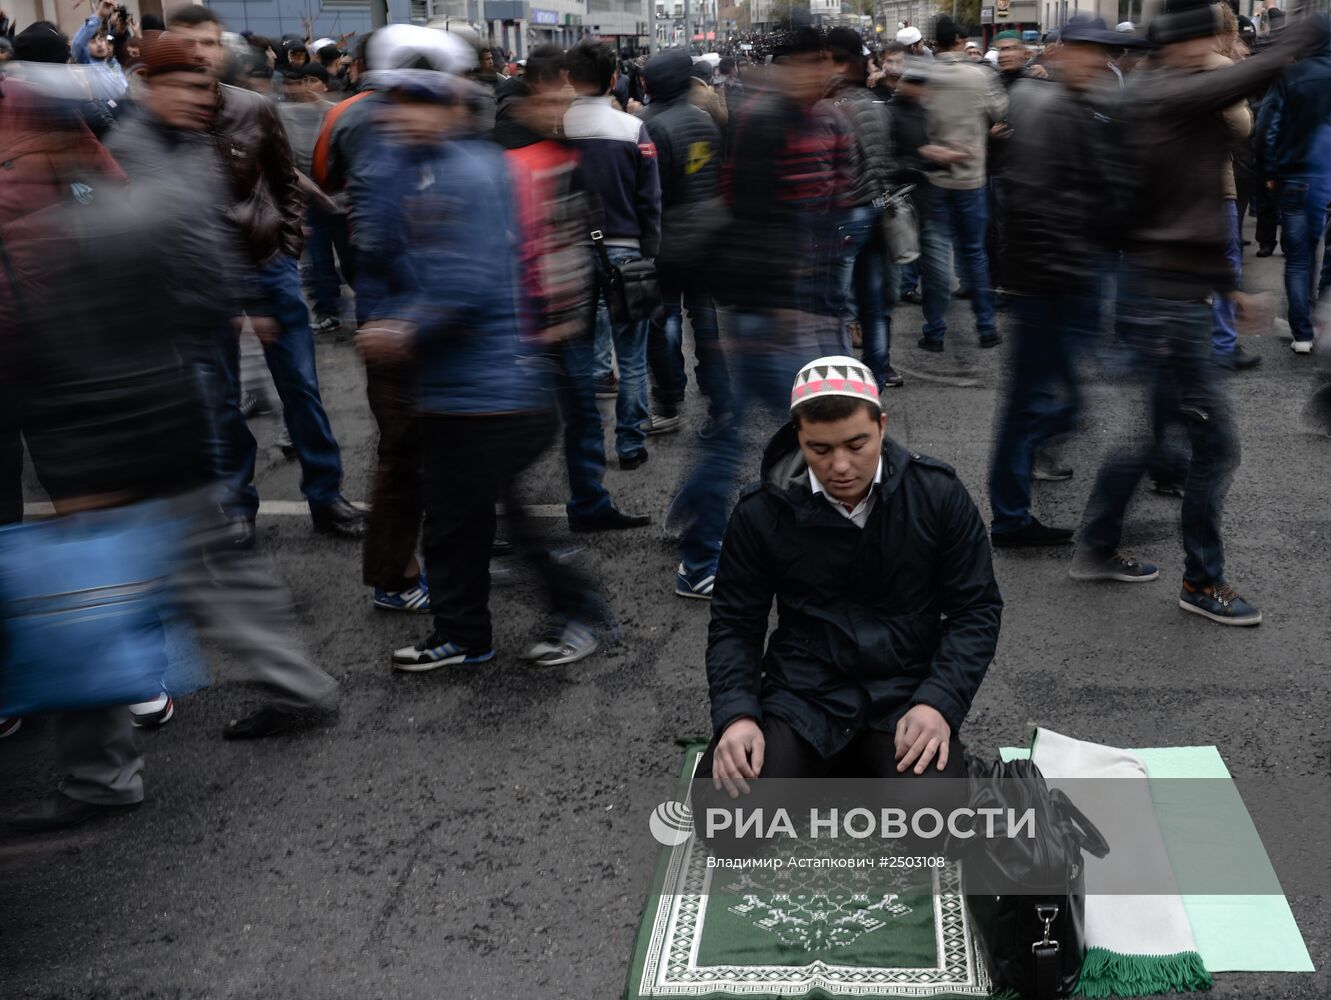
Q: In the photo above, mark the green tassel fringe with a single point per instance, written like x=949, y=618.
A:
x=1108, y=974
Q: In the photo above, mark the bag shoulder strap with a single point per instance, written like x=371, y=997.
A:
x=598, y=241
x=1045, y=953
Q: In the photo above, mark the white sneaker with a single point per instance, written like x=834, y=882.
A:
x=154, y=713
x=1301, y=346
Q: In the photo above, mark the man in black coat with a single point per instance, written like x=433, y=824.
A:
x=888, y=612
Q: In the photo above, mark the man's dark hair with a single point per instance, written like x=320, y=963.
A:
x=192, y=15
x=726, y=66
x=845, y=45
x=328, y=55
x=893, y=48
x=151, y=22
x=830, y=409
x=592, y=64
x=545, y=63
x=947, y=33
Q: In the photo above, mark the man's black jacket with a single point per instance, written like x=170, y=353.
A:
x=871, y=621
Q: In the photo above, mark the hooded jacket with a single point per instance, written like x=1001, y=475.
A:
x=688, y=156
x=871, y=621
x=1296, y=120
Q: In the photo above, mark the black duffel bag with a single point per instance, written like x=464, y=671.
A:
x=1026, y=896
x=633, y=291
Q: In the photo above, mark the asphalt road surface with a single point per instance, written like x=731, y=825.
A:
x=482, y=833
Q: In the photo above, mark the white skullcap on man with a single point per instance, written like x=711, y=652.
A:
x=413, y=57
x=909, y=36
x=835, y=376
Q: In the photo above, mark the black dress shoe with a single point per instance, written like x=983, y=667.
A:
x=501, y=547
x=991, y=340
x=1241, y=360
x=269, y=721
x=913, y=297
x=929, y=344
x=239, y=533
x=610, y=519
x=629, y=462
x=339, y=518
x=1032, y=534
x=60, y=812
x=1266, y=250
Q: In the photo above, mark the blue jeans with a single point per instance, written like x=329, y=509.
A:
x=1171, y=343
x=326, y=234
x=765, y=365
x=682, y=292
x=584, y=439
x=291, y=362
x=874, y=283
x=1049, y=332
x=630, y=343
x=1325, y=282
x=1224, y=334
x=1303, y=221
x=854, y=230
x=955, y=218
x=910, y=277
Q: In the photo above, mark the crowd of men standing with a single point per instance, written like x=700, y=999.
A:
x=486, y=222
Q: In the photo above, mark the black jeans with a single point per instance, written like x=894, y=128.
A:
x=470, y=462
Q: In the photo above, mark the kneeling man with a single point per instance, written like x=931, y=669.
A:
x=888, y=611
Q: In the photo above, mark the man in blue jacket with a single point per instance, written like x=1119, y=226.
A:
x=444, y=213
x=1294, y=142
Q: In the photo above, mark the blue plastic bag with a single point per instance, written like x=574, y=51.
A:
x=82, y=608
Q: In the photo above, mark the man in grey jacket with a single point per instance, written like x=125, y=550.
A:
x=966, y=105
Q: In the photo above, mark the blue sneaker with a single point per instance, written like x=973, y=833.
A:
x=697, y=586
x=436, y=652
x=1220, y=603
x=415, y=600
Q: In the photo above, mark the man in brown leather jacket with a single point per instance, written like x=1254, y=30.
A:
x=268, y=209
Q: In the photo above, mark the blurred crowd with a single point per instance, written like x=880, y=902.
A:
x=525, y=239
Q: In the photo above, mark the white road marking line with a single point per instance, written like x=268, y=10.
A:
x=299, y=508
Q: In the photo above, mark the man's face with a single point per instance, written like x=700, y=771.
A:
x=1194, y=54
x=543, y=111
x=844, y=454
x=99, y=48
x=182, y=100
x=894, y=63
x=974, y=54
x=806, y=76
x=206, y=40
x=1080, y=64
x=421, y=123
x=1011, y=55
x=297, y=58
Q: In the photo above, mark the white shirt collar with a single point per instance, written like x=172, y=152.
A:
x=860, y=513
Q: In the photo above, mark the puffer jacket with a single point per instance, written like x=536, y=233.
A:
x=870, y=621
x=863, y=119
x=257, y=158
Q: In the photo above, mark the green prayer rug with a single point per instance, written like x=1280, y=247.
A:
x=805, y=933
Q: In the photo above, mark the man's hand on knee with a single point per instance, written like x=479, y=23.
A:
x=922, y=734
x=738, y=756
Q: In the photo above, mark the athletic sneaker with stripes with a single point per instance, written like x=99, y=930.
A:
x=414, y=600
x=697, y=586
x=436, y=652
